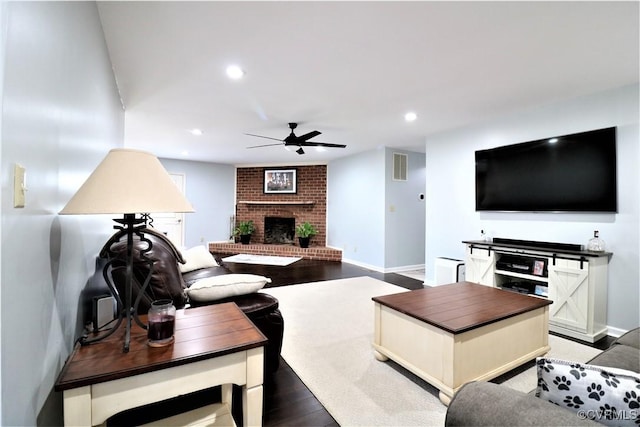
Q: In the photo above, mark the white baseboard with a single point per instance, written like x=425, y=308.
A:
x=615, y=332
x=382, y=269
x=404, y=268
x=363, y=265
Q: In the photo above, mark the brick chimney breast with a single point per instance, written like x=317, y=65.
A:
x=309, y=203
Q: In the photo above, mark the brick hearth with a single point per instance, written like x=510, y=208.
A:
x=320, y=253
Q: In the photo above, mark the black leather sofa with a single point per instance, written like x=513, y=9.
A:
x=167, y=282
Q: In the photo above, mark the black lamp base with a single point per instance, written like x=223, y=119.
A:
x=127, y=309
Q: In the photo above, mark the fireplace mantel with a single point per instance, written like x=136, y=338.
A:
x=276, y=202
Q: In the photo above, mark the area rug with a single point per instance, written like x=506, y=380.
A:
x=262, y=259
x=327, y=342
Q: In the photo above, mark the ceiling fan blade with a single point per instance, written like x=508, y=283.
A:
x=262, y=136
x=322, y=144
x=296, y=141
x=307, y=136
x=265, y=145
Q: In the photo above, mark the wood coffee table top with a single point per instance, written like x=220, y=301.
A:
x=462, y=306
x=200, y=333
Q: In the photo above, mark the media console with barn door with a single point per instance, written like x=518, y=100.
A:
x=574, y=279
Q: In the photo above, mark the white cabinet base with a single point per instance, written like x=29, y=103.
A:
x=588, y=337
x=576, y=283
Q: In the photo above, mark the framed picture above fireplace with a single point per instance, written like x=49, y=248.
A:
x=280, y=181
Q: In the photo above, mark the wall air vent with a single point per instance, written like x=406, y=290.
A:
x=399, y=167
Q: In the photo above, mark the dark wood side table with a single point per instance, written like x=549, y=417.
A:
x=214, y=345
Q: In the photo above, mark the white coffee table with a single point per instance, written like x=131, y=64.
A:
x=453, y=334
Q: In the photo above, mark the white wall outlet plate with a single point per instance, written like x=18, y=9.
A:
x=19, y=186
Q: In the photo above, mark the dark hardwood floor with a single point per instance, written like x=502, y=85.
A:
x=305, y=271
x=287, y=401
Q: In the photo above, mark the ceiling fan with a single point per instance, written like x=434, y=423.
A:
x=297, y=141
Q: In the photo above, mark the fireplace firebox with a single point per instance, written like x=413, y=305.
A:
x=279, y=230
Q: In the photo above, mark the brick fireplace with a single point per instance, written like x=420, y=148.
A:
x=308, y=203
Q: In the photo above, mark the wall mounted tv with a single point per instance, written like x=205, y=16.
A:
x=568, y=173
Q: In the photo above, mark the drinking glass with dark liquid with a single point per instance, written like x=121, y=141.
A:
x=162, y=322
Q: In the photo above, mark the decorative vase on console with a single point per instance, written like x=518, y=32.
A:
x=596, y=244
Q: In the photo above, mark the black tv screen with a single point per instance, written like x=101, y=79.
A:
x=570, y=173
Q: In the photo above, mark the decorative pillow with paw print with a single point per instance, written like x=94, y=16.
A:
x=606, y=395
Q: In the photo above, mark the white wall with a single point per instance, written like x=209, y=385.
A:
x=3, y=39
x=451, y=215
x=61, y=114
x=210, y=187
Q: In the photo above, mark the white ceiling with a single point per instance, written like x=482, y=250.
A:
x=351, y=69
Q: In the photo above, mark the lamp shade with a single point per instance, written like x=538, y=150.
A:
x=128, y=182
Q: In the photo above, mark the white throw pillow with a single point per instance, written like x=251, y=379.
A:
x=607, y=395
x=226, y=285
x=196, y=258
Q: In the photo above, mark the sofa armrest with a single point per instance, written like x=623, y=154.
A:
x=631, y=338
x=489, y=404
x=203, y=273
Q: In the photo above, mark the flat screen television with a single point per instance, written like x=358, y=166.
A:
x=568, y=173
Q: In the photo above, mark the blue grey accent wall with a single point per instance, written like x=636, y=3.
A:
x=61, y=114
x=355, y=207
x=378, y=223
x=450, y=181
x=211, y=189
x=404, y=212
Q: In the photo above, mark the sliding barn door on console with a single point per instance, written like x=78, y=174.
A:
x=479, y=265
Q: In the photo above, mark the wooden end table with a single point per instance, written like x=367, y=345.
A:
x=214, y=345
x=453, y=334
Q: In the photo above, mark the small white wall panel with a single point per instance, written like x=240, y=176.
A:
x=448, y=270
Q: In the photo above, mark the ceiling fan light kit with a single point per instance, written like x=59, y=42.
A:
x=297, y=141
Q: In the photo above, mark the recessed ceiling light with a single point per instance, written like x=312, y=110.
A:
x=235, y=72
x=197, y=132
x=410, y=116
x=553, y=140
x=185, y=153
